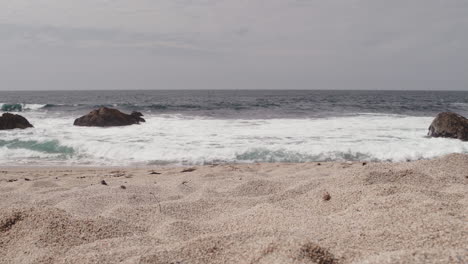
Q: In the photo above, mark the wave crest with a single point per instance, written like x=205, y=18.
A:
x=21, y=107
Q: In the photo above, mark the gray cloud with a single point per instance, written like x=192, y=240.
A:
x=221, y=44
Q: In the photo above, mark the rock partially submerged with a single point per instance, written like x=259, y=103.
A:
x=11, y=121
x=108, y=117
x=450, y=125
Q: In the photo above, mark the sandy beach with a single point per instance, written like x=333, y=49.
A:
x=337, y=212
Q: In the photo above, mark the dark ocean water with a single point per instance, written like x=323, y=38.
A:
x=204, y=127
x=249, y=104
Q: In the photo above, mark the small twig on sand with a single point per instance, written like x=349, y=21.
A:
x=157, y=200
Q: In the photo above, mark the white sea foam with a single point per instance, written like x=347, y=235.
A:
x=33, y=107
x=180, y=140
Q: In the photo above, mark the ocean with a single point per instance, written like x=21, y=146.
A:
x=215, y=126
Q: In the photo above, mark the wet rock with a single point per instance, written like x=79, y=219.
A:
x=108, y=117
x=11, y=121
x=449, y=125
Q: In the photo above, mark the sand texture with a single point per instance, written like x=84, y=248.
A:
x=411, y=212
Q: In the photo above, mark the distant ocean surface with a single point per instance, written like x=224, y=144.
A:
x=205, y=127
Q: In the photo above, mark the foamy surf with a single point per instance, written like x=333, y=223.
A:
x=181, y=140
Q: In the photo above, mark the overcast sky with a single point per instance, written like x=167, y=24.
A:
x=233, y=44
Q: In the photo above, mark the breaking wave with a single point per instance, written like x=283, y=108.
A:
x=21, y=107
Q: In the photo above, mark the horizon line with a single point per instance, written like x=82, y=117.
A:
x=129, y=90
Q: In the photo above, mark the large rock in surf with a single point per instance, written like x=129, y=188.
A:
x=11, y=121
x=449, y=125
x=108, y=117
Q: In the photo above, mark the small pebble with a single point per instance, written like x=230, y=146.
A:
x=326, y=196
x=123, y=187
x=103, y=182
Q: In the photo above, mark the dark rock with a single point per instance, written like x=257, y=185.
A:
x=11, y=121
x=189, y=170
x=326, y=196
x=449, y=125
x=103, y=182
x=108, y=117
x=137, y=115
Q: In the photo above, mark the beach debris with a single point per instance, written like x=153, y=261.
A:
x=12, y=180
x=318, y=164
x=123, y=187
x=364, y=163
x=117, y=173
x=27, y=179
x=326, y=196
x=103, y=182
x=155, y=173
x=184, y=182
x=189, y=170
x=157, y=200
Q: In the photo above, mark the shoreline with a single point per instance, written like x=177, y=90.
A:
x=335, y=212
x=174, y=166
